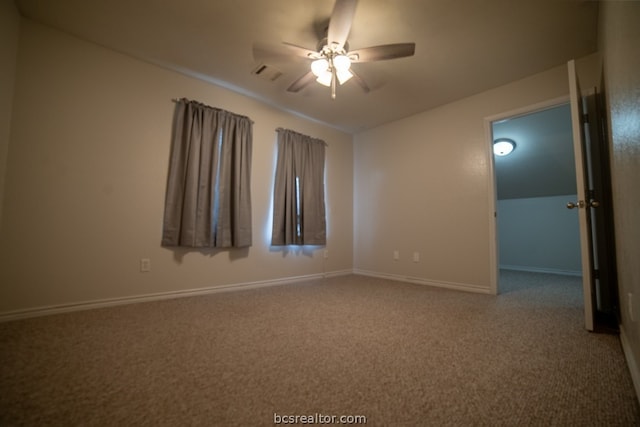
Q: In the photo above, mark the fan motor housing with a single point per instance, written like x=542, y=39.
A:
x=325, y=42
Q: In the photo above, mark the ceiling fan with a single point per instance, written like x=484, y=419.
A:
x=330, y=63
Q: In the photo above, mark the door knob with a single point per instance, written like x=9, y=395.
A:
x=594, y=204
x=579, y=204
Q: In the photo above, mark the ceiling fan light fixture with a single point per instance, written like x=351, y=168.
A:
x=343, y=75
x=342, y=62
x=503, y=146
x=320, y=67
x=325, y=78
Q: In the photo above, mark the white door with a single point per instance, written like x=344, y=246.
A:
x=583, y=204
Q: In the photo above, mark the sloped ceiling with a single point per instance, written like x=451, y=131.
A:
x=463, y=47
x=542, y=164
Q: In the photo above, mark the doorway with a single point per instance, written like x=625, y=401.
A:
x=534, y=230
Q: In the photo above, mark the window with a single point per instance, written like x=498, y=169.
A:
x=298, y=196
x=208, y=199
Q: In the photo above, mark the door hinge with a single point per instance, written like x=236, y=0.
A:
x=585, y=118
x=596, y=274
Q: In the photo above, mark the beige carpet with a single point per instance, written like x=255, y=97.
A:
x=397, y=353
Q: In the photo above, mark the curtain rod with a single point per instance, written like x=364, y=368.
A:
x=301, y=134
x=209, y=106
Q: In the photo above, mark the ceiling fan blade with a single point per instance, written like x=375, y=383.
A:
x=340, y=22
x=383, y=52
x=360, y=81
x=284, y=52
x=302, y=82
x=301, y=51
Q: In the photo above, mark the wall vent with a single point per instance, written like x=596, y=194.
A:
x=267, y=72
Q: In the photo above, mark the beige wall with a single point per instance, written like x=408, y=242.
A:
x=425, y=184
x=619, y=37
x=87, y=172
x=9, y=34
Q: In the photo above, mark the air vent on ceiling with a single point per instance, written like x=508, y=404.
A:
x=267, y=72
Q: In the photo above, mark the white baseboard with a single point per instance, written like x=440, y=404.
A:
x=541, y=270
x=110, y=302
x=420, y=281
x=632, y=363
x=338, y=273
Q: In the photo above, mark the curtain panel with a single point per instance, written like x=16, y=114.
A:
x=298, y=196
x=208, y=198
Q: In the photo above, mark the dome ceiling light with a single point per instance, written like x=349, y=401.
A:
x=503, y=146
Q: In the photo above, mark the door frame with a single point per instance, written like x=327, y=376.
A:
x=494, y=267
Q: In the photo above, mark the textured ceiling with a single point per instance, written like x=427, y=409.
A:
x=463, y=47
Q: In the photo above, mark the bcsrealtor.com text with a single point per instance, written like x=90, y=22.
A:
x=319, y=419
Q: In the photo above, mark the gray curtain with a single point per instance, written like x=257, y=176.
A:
x=298, y=197
x=208, y=199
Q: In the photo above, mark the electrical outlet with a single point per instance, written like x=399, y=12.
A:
x=630, y=304
x=326, y=253
x=396, y=255
x=145, y=265
x=416, y=257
